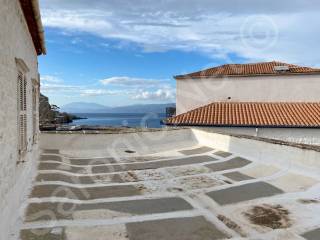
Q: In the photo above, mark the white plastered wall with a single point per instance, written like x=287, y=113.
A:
x=193, y=93
x=295, y=135
x=15, y=42
x=115, y=145
x=282, y=155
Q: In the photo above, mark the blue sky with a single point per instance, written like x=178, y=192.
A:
x=77, y=64
x=126, y=52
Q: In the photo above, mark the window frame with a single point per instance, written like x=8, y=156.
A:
x=22, y=107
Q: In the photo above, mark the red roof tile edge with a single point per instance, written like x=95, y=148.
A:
x=251, y=114
x=249, y=70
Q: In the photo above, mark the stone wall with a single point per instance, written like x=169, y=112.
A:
x=15, y=42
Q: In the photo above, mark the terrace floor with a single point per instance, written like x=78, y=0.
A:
x=196, y=193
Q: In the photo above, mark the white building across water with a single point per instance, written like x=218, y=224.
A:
x=271, y=99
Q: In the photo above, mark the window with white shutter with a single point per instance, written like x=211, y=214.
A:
x=22, y=110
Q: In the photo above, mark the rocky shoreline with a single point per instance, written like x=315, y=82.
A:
x=50, y=118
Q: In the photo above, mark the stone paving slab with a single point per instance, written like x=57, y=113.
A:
x=191, y=228
x=199, y=150
x=245, y=192
x=195, y=228
x=51, y=151
x=126, y=167
x=236, y=162
x=51, y=158
x=97, y=161
x=42, y=234
x=52, y=177
x=222, y=154
x=80, y=162
x=67, y=211
x=52, y=190
x=237, y=176
x=312, y=235
x=63, y=167
x=196, y=182
x=158, y=164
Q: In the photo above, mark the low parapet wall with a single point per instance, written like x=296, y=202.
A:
x=266, y=151
x=95, y=144
x=309, y=136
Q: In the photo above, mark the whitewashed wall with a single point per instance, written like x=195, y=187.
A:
x=295, y=135
x=193, y=93
x=101, y=145
x=282, y=155
x=15, y=42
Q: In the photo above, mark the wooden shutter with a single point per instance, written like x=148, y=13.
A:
x=34, y=109
x=22, y=93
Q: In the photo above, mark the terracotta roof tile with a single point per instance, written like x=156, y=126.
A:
x=252, y=69
x=251, y=114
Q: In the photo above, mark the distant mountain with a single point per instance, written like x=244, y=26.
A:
x=143, y=108
x=84, y=107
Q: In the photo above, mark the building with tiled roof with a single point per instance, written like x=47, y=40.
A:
x=270, y=99
x=254, y=82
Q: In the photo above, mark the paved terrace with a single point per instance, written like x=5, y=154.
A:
x=196, y=192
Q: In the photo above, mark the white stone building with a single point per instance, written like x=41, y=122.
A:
x=21, y=41
x=271, y=99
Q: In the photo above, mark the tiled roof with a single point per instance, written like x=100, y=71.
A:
x=251, y=115
x=252, y=69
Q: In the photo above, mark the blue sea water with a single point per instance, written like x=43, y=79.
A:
x=150, y=120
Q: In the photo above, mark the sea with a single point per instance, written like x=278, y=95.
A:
x=144, y=120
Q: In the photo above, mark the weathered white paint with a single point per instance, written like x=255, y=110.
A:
x=292, y=169
x=95, y=145
x=193, y=93
x=151, y=142
x=15, y=42
x=295, y=135
x=284, y=156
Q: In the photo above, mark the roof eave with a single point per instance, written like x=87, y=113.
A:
x=240, y=126
x=182, y=77
x=34, y=24
x=36, y=9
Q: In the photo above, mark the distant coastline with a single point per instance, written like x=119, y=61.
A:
x=84, y=107
x=140, y=120
x=82, y=115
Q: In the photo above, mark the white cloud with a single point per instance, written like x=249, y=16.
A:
x=133, y=82
x=258, y=30
x=77, y=90
x=159, y=95
x=99, y=92
x=50, y=79
x=59, y=88
x=127, y=87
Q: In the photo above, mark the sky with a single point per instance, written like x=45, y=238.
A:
x=123, y=52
